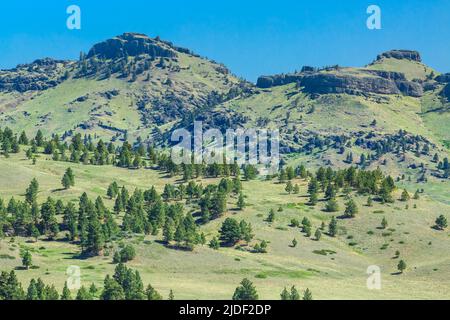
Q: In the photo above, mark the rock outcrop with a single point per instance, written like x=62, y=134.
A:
x=41, y=74
x=446, y=92
x=443, y=78
x=265, y=82
x=401, y=54
x=382, y=82
x=132, y=44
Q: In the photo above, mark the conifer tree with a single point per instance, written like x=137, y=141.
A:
x=66, y=294
x=332, y=227
x=246, y=291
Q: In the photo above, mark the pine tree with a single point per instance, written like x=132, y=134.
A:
x=332, y=206
x=246, y=291
x=285, y=295
x=112, y=290
x=294, y=294
x=32, y=292
x=307, y=295
x=66, y=294
x=441, y=222
x=405, y=196
x=83, y=294
x=241, y=202
x=332, y=227
x=271, y=216
x=152, y=294
x=351, y=209
x=169, y=230
x=313, y=199
x=68, y=179
x=401, y=266
x=289, y=188
x=318, y=235
x=32, y=191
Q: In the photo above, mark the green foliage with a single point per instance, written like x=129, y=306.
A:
x=246, y=291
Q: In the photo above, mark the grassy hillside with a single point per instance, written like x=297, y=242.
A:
x=208, y=274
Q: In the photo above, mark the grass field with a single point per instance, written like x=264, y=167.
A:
x=208, y=274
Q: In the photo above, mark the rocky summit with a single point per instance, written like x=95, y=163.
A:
x=134, y=44
x=401, y=54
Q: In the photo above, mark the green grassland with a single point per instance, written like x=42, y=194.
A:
x=208, y=274
x=411, y=69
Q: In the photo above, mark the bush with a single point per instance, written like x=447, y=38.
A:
x=126, y=254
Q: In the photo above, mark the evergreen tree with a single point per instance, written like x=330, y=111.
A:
x=83, y=294
x=271, y=216
x=285, y=294
x=307, y=295
x=152, y=294
x=318, y=234
x=332, y=206
x=68, y=179
x=332, y=227
x=32, y=292
x=112, y=290
x=405, y=196
x=246, y=291
x=66, y=294
x=32, y=191
x=289, y=187
x=351, y=209
x=401, y=266
x=241, y=202
x=294, y=294
x=441, y=222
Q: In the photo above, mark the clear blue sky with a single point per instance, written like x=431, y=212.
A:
x=251, y=37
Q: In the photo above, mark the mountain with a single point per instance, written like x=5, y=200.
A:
x=394, y=110
x=129, y=84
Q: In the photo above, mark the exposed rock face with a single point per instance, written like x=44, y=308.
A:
x=390, y=75
x=324, y=83
x=444, y=78
x=383, y=82
x=41, y=74
x=265, y=82
x=401, y=54
x=446, y=92
x=132, y=44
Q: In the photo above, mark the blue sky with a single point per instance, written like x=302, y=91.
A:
x=251, y=37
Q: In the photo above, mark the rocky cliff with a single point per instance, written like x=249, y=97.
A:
x=132, y=44
x=401, y=54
